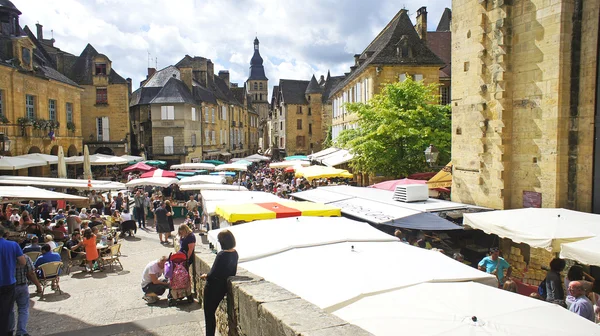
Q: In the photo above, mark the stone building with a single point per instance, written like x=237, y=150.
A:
x=398, y=51
x=37, y=102
x=251, y=132
x=257, y=86
x=186, y=113
x=301, y=114
x=104, y=99
x=524, y=100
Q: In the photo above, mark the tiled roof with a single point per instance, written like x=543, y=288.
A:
x=292, y=91
x=384, y=49
x=445, y=21
x=226, y=93
x=143, y=95
x=160, y=77
x=203, y=95
x=330, y=83
x=8, y=5
x=441, y=44
x=175, y=91
x=82, y=71
x=313, y=86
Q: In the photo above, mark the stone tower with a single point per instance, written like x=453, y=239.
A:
x=257, y=86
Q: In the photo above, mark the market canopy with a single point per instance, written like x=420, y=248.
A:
x=211, y=187
x=337, y=158
x=254, y=211
x=296, y=157
x=153, y=181
x=200, y=179
x=335, y=275
x=223, y=173
x=214, y=162
x=242, y=162
x=132, y=158
x=194, y=166
x=49, y=182
x=156, y=162
x=46, y=159
x=231, y=166
x=423, y=221
x=317, y=172
x=32, y=193
x=297, y=232
x=325, y=152
x=464, y=308
x=585, y=251
x=257, y=158
x=140, y=166
x=213, y=198
x=16, y=163
x=158, y=173
x=285, y=164
x=392, y=184
x=542, y=228
x=443, y=179
x=97, y=160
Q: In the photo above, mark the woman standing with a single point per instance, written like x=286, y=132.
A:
x=225, y=265
x=171, y=224
x=91, y=252
x=187, y=242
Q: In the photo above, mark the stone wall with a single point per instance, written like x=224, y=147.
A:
x=255, y=307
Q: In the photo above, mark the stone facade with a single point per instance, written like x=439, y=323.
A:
x=524, y=82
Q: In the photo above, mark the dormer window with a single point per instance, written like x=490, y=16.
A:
x=26, y=56
x=100, y=69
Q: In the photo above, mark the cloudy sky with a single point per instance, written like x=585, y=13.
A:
x=297, y=38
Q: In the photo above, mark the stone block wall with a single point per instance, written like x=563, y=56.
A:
x=255, y=307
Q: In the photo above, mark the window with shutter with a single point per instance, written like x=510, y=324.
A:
x=214, y=141
x=69, y=109
x=167, y=112
x=193, y=140
x=30, y=107
x=105, y=129
x=418, y=77
x=52, y=109
x=193, y=114
x=168, y=145
x=299, y=124
x=101, y=96
x=213, y=116
x=402, y=77
x=206, y=115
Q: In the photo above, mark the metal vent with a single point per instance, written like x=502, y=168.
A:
x=411, y=193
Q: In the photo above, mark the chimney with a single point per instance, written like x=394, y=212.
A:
x=186, y=77
x=129, y=84
x=151, y=72
x=356, y=57
x=224, y=75
x=421, y=26
x=210, y=72
x=40, y=32
x=321, y=79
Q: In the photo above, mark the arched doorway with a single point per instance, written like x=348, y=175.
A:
x=105, y=151
x=54, y=150
x=34, y=171
x=72, y=151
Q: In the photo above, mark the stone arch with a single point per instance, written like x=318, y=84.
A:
x=54, y=150
x=34, y=149
x=104, y=150
x=72, y=151
x=34, y=171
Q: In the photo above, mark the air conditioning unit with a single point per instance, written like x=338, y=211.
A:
x=411, y=193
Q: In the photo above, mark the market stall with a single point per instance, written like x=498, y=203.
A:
x=585, y=251
x=139, y=166
x=194, y=166
x=317, y=172
x=163, y=182
x=49, y=182
x=21, y=193
x=285, y=164
x=257, y=158
x=234, y=213
x=202, y=179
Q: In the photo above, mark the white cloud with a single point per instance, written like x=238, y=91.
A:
x=298, y=38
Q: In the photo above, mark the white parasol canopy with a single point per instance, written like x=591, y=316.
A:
x=586, y=251
x=131, y=158
x=62, y=166
x=47, y=159
x=87, y=167
x=193, y=166
x=15, y=163
x=297, y=232
x=60, y=183
x=333, y=276
x=231, y=166
x=542, y=228
x=152, y=181
x=457, y=309
x=26, y=193
x=202, y=179
x=285, y=164
x=98, y=160
x=212, y=187
x=257, y=158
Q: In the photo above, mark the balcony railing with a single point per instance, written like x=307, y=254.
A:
x=166, y=150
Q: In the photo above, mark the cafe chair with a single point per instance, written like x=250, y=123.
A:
x=33, y=255
x=72, y=262
x=113, y=256
x=58, y=248
x=50, y=276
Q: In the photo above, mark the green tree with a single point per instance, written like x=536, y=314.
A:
x=395, y=127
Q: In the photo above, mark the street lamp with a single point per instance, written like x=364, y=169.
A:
x=4, y=143
x=431, y=155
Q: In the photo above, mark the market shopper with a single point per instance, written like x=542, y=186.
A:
x=581, y=305
x=496, y=265
x=140, y=215
x=554, y=287
x=161, y=216
x=23, y=274
x=10, y=256
x=225, y=265
x=152, y=286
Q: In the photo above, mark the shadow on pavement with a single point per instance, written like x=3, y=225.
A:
x=52, y=296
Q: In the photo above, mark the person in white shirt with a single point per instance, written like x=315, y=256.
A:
x=15, y=216
x=152, y=286
x=125, y=216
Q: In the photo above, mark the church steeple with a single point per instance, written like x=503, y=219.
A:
x=257, y=71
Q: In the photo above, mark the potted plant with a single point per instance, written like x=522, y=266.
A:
x=71, y=126
x=4, y=119
x=23, y=123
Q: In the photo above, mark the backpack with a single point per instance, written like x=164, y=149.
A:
x=181, y=277
x=542, y=289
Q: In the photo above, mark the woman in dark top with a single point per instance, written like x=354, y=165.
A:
x=554, y=286
x=225, y=265
x=170, y=209
x=187, y=242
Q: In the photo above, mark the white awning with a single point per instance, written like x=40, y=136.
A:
x=131, y=158
x=231, y=166
x=98, y=160
x=32, y=193
x=337, y=158
x=16, y=163
x=285, y=164
x=50, y=182
x=202, y=179
x=586, y=251
x=152, y=181
x=212, y=187
x=324, y=152
x=44, y=158
x=193, y=166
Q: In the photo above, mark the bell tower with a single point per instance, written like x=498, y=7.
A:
x=257, y=86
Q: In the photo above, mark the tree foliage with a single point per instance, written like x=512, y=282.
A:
x=395, y=127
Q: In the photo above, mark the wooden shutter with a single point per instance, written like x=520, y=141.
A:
x=163, y=112
x=193, y=114
x=168, y=145
x=105, y=129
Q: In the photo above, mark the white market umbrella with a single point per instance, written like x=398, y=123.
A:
x=257, y=158
x=586, y=251
x=62, y=166
x=457, y=309
x=16, y=163
x=152, y=181
x=351, y=271
x=97, y=160
x=47, y=159
x=285, y=164
x=27, y=193
x=87, y=167
x=131, y=158
x=231, y=166
x=188, y=187
x=193, y=166
x=202, y=179
x=543, y=228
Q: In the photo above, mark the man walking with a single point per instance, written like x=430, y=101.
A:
x=23, y=273
x=139, y=201
x=495, y=264
x=10, y=255
x=582, y=306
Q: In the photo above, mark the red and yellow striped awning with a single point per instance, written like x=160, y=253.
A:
x=255, y=211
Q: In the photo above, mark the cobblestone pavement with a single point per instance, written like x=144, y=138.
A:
x=110, y=302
